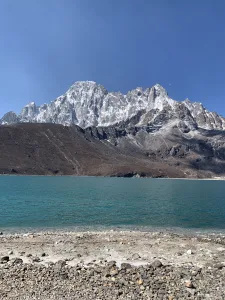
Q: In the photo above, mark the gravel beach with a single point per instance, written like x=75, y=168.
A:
x=112, y=265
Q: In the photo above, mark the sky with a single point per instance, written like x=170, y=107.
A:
x=47, y=45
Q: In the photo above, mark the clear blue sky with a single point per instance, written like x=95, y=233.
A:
x=46, y=45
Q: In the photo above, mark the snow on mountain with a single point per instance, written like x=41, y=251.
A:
x=87, y=103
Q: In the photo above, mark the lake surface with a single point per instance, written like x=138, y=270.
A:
x=63, y=202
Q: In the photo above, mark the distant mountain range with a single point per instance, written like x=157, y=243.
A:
x=143, y=129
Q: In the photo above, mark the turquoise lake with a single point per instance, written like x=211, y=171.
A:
x=63, y=202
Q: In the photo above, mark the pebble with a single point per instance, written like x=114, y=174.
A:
x=135, y=256
x=189, y=252
x=219, y=266
x=189, y=284
x=125, y=266
x=5, y=259
x=59, y=281
x=111, y=263
x=156, y=264
x=36, y=259
x=17, y=260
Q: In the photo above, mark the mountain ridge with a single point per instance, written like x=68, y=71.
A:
x=87, y=103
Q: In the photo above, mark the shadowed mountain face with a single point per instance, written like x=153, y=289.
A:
x=143, y=133
x=51, y=149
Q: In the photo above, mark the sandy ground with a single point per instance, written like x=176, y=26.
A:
x=135, y=247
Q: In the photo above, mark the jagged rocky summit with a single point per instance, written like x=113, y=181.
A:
x=87, y=104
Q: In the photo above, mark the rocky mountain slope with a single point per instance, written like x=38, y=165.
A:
x=143, y=133
x=51, y=149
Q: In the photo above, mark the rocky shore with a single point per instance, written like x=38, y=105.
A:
x=112, y=265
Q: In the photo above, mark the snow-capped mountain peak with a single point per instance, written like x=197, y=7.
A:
x=87, y=103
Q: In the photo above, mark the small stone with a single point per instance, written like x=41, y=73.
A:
x=111, y=263
x=79, y=255
x=10, y=252
x=125, y=266
x=135, y=256
x=189, y=252
x=5, y=259
x=114, y=272
x=221, y=249
x=189, y=284
x=1, y=233
x=61, y=263
x=36, y=259
x=17, y=260
x=29, y=255
x=157, y=264
x=219, y=266
x=140, y=281
x=43, y=254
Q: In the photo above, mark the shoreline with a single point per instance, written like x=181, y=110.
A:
x=125, y=177
x=118, y=241
x=95, y=229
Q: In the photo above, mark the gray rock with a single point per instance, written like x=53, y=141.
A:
x=126, y=266
x=4, y=259
x=111, y=264
x=17, y=260
x=36, y=259
x=156, y=264
x=136, y=256
x=219, y=266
